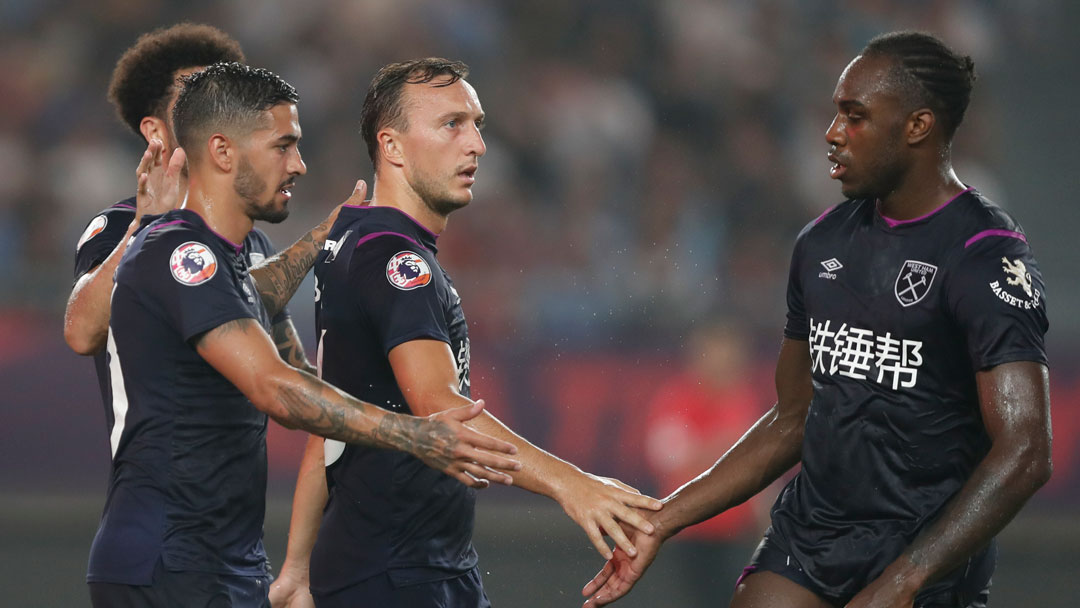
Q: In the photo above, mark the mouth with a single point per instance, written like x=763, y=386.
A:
x=468, y=174
x=286, y=189
x=837, y=170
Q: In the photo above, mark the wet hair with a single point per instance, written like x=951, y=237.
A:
x=226, y=98
x=142, y=80
x=382, y=104
x=929, y=74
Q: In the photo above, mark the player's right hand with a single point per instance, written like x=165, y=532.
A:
x=158, y=185
x=598, y=504
x=447, y=445
x=290, y=591
x=622, y=572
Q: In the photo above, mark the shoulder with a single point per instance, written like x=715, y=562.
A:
x=113, y=219
x=981, y=219
x=833, y=217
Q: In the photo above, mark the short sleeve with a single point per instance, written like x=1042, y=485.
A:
x=997, y=296
x=100, y=237
x=191, y=282
x=395, y=286
x=798, y=325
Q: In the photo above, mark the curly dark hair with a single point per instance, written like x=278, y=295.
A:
x=142, y=80
x=382, y=104
x=929, y=74
x=226, y=97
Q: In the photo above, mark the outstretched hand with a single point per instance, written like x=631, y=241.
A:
x=463, y=453
x=356, y=199
x=622, y=571
x=158, y=185
x=598, y=504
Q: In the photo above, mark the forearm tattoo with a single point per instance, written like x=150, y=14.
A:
x=289, y=346
x=278, y=277
x=315, y=407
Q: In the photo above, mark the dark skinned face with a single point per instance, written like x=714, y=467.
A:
x=867, y=145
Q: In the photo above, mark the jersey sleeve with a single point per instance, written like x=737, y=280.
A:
x=393, y=283
x=263, y=248
x=100, y=237
x=997, y=296
x=798, y=324
x=190, y=282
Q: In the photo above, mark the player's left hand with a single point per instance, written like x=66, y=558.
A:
x=621, y=572
x=290, y=590
x=157, y=184
x=356, y=199
x=598, y=504
x=883, y=592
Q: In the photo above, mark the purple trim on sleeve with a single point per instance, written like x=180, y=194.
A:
x=159, y=226
x=994, y=232
x=894, y=223
x=124, y=206
x=356, y=206
x=747, y=571
x=378, y=234
x=822, y=216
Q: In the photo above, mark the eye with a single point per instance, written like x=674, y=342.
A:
x=452, y=123
x=480, y=125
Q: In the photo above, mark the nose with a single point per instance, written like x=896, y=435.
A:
x=834, y=135
x=296, y=164
x=475, y=145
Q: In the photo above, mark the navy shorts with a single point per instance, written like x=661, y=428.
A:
x=961, y=589
x=185, y=590
x=380, y=591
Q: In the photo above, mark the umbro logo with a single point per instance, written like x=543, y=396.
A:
x=831, y=265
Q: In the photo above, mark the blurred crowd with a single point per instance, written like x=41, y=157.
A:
x=649, y=164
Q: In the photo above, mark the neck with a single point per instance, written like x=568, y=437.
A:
x=219, y=207
x=394, y=191
x=921, y=191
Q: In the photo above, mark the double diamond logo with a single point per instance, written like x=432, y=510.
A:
x=832, y=265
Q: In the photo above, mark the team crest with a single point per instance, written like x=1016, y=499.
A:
x=192, y=263
x=93, y=229
x=913, y=282
x=407, y=270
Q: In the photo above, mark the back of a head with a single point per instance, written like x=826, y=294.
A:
x=929, y=73
x=227, y=98
x=383, y=105
x=143, y=77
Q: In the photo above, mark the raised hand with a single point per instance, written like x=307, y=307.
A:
x=621, y=572
x=598, y=504
x=158, y=185
x=446, y=444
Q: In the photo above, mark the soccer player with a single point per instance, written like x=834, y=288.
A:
x=143, y=90
x=195, y=374
x=912, y=381
x=393, y=534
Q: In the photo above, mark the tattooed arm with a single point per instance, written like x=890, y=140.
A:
x=242, y=352
x=278, y=277
x=289, y=346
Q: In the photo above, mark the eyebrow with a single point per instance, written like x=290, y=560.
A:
x=288, y=138
x=460, y=115
x=848, y=104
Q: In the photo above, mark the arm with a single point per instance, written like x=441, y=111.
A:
x=290, y=588
x=771, y=447
x=86, y=318
x=242, y=352
x=1014, y=401
x=289, y=346
x=427, y=374
x=278, y=277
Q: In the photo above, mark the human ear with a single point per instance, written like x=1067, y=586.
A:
x=221, y=152
x=153, y=127
x=920, y=124
x=390, y=146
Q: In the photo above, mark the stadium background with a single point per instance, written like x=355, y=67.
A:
x=648, y=166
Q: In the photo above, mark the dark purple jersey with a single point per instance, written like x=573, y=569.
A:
x=898, y=316
x=101, y=237
x=188, y=477
x=379, y=285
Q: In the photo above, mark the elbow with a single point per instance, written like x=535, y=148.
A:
x=80, y=342
x=270, y=394
x=1037, y=465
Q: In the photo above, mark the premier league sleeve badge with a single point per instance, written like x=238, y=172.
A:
x=408, y=270
x=192, y=264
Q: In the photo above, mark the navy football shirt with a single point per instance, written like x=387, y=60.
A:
x=898, y=316
x=379, y=285
x=188, y=477
x=100, y=238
